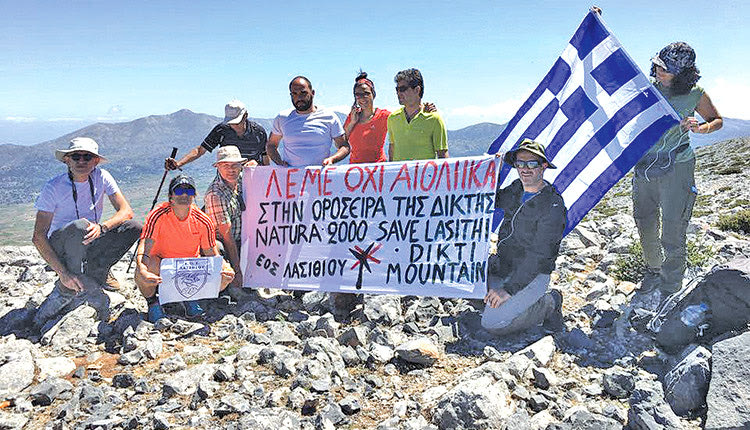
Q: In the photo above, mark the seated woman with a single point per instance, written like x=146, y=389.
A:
x=175, y=229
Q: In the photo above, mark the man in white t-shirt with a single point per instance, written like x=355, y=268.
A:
x=307, y=131
x=69, y=231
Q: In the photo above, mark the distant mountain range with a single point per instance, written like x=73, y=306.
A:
x=136, y=149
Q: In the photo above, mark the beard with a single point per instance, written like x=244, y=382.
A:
x=303, y=105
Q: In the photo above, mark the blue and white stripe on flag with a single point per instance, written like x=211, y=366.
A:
x=595, y=112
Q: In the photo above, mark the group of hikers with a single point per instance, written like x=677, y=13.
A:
x=81, y=247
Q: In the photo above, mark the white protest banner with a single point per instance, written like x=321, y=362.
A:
x=411, y=228
x=189, y=279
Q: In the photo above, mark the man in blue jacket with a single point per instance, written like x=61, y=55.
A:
x=528, y=243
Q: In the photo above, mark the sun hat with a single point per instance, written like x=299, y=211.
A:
x=535, y=148
x=675, y=57
x=229, y=154
x=180, y=180
x=234, y=111
x=78, y=144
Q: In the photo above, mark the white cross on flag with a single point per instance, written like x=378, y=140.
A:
x=595, y=112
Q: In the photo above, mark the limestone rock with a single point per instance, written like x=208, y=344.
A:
x=480, y=401
x=729, y=391
x=686, y=385
x=648, y=409
x=54, y=366
x=541, y=351
x=420, y=351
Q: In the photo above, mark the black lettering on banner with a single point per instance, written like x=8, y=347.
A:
x=347, y=231
x=283, y=234
x=265, y=263
x=348, y=207
x=394, y=269
x=262, y=219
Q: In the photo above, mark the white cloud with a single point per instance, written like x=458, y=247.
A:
x=19, y=119
x=115, y=110
x=730, y=97
x=66, y=119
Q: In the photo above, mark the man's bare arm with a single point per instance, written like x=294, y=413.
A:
x=193, y=155
x=272, y=149
x=343, y=150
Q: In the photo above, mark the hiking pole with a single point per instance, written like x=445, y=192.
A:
x=156, y=198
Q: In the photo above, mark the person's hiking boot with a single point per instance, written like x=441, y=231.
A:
x=651, y=279
x=193, y=309
x=155, y=313
x=111, y=284
x=554, y=322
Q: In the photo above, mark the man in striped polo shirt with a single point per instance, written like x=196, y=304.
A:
x=175, y=229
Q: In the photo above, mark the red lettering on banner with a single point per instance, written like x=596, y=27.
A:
x=314, y=175
x=463, y=175
x=371, y=179
x=346, y=178
x=403, y=175
x=473, y=173
x=490, y=174
x=289, y=183
x=416, y=175
x=273, y=179
x=432, y=176
x=327, y=181
x=445, y=169
x=455, y=175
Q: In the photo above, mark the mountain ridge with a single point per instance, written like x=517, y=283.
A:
x=136, y=149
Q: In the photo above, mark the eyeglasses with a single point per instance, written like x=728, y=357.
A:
x=85, y=156
x=530, y=164
x=362, y=94
x=184, y=190
x=402, y=88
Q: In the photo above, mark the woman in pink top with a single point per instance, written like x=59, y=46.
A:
x=366, y=126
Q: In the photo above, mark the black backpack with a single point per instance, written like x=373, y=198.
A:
x=706, y=308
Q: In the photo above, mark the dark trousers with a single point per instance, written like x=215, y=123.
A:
x=96, y=258
x=90, y=263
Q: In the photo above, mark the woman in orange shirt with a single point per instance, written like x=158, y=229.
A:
x=367, y=126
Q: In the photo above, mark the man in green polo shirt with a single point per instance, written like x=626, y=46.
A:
x=414, y=134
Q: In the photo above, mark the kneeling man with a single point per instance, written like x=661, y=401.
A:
x=175, y=229
x=70, y=234
x=528, y=243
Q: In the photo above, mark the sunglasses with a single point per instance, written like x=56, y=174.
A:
x=530, y=164
x=183, y=190
x=402, y=88
x=85, y=156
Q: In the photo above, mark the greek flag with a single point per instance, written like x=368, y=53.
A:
x=595, y=112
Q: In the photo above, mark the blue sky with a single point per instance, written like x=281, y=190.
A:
x=78, y=62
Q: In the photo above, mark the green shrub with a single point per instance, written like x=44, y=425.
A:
x=698, y=253
x=738, y=222
x=732, y=170
x=630, y=267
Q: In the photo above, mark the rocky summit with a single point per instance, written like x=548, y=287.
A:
x=294, y=361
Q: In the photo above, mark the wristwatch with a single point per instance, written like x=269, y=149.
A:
x=103, y=228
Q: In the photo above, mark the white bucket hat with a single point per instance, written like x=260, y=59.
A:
x=78, y=144
x=229, y=154
x=234, y=111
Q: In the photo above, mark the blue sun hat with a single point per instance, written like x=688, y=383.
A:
x=674, y=58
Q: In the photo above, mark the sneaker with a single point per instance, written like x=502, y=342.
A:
x=111, y=284
x=651, y=279
x=554, y=322
x=155, y=313
x=193, y=309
